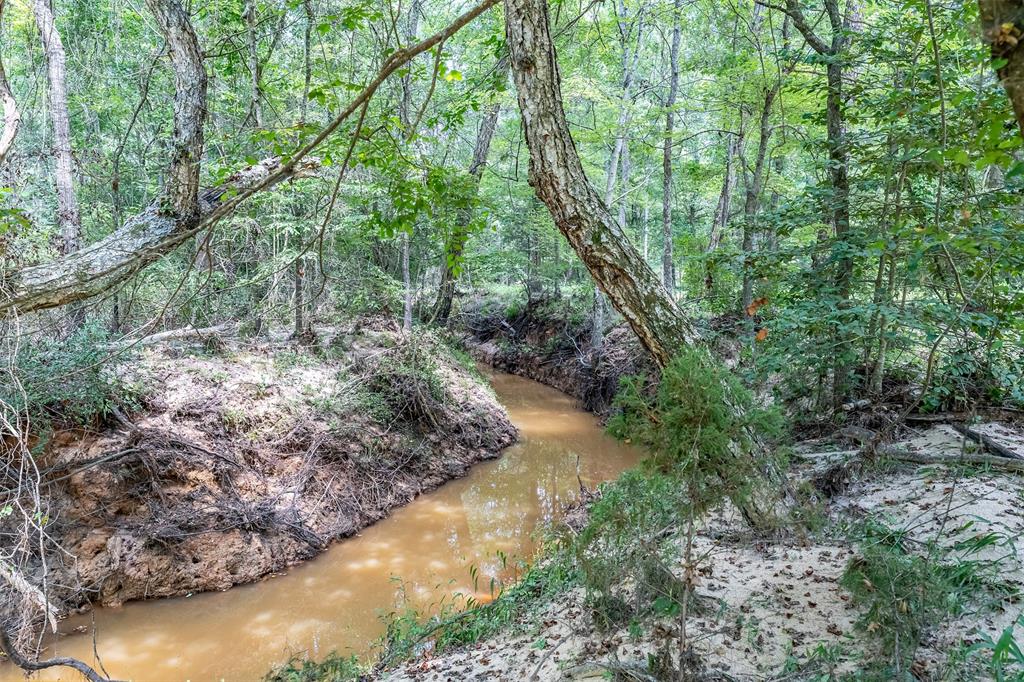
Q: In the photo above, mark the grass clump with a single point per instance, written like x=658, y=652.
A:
x=333, y=668
x=903, y=590
x=64, y=383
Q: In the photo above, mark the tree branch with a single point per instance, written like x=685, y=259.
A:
x=62, y=661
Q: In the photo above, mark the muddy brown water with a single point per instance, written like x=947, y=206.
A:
x=423, y=554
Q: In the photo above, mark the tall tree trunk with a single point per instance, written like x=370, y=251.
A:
x=557, y=176
x=12, y=119
x=841, y=30
x=255, y=114
x=668, y=273
x=299, y=267
x=69, y=219
x=753, y=193
x=457, y=242
x=1002, y=27
x=404, y=116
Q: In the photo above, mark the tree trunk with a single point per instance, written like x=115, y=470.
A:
x=69, y=219
x=668, y=275
x=12, y=119
x=557, y=176
x=1002, y=27
x=753, y=191
x=255, y=114
x=457, y=243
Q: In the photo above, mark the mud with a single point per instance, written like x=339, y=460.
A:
x=245, y=462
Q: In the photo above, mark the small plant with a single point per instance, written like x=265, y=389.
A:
x=333, y=668
x=65, y=382
x=903, y=592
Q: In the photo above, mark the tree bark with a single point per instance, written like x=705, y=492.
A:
x=557, y=176
x=753, y=193
x=12, y=118
x=159, y=229
x=69, y=218
x=1002, y=27
x=668, y=275
x=255, y=114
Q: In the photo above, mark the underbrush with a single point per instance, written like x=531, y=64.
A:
x=66, y=382
x=904, y=588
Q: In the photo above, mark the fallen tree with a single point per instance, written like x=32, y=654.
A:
x=183, y=210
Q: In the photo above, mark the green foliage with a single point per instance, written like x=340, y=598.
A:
x=902, y=592
x=700, y=426
x=333, y=668
x=65, y=383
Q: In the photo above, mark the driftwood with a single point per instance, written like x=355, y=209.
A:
x=989, y=443
x=62, y=661
x=995, y=461
x=185, y=333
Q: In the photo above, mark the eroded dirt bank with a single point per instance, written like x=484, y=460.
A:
x=247, y=460
x=539, y=343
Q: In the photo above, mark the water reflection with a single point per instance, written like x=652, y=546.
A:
x=421, y=553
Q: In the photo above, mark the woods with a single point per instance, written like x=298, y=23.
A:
x=792, y=221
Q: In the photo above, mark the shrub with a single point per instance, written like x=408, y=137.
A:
x=65, y=382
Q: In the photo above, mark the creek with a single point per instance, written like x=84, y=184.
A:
x=448, y=544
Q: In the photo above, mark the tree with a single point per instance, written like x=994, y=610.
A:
x=1002, y=26
x=69, y=219
x=12, y=118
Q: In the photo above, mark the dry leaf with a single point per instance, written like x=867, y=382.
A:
x=762, y=334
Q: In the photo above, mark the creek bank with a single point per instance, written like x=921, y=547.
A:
x=789, y=610
x=541, y=340
x=254, y=458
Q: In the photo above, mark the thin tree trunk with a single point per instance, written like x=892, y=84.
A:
x=646, y=237
x=753, y=197
x=407, y=283
x=668, y=275
x=69, y=218
x=299, y=268
x=255, y=114
x=12, y=119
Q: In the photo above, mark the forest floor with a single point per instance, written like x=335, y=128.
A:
x=785, y=609
x=253, y=457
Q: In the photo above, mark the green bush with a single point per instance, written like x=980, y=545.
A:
x=66, y=383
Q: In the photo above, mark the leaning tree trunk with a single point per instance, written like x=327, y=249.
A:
x=557, y=176
x=69, y=218
x=1002, y=26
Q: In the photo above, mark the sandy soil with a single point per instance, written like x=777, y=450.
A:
x=773, y=605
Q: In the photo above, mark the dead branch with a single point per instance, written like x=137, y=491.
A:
x=62, y=661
